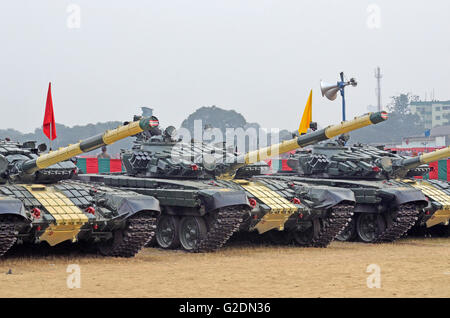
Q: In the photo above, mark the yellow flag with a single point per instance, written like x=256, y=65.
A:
x=307, y=116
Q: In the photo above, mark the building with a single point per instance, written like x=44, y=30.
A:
x=439, y=137
x=433, y=113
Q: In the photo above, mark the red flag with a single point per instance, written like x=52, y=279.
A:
x=49, y=117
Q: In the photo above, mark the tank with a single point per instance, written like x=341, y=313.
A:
x=207, y=193
x=388, y=202
x=437, y=192
x=406, y=169
x=39, y=202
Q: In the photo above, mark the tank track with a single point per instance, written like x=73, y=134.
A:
x=406, y=217
x=139, y=231
x=8, y=235
x=339, y=217
x=226, y=223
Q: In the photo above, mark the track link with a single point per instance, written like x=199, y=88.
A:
x=139, y=230
x=8, y=235
x=227, y=221
x=405, y=218
x=339, y=217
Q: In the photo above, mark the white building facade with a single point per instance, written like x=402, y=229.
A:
x=433, y=113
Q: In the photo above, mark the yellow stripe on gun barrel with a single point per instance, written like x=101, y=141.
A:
x=60, y=155
x=121, y=132
x=435, y=155
x=269, y=152
x=347, y=126
x=70, y=151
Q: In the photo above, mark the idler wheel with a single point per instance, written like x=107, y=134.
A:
x=369, y=226
x=167, y=232
x=192, y=231
x=306, y=236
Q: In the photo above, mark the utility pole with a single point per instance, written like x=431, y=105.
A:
x=378, y=76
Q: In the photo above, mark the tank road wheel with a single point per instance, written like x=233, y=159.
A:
x=305, y=237
x=192, y=231
x=369, y=226
x=8, y=234
x=128, y=241
x=167, y=232
x=349, y=233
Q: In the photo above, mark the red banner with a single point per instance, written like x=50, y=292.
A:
x=434, y=170
x=91, y=165
x=115, y=165
x=49, y=127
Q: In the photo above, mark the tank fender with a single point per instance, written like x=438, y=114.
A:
x=403, y=195
x=12, y=206
x=323, y=197
x=218, y=198
x=133, y=205
x=128, y=205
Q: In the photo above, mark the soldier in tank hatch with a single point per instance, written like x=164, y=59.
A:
x=103, y=154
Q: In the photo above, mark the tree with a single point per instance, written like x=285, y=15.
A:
x=216, y=117
x=70, y=135
x=401, y=123
x=400, y=104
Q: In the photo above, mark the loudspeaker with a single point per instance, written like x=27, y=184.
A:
x=329, y=90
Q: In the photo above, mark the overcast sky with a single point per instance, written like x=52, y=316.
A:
x=258, y=57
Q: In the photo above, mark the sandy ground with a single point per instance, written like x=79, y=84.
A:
x=409, y=268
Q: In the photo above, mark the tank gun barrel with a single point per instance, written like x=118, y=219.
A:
x=308, y=139
x=414, y=162
x=91, y=143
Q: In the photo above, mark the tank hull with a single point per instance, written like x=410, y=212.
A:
x=210, y=211
x=384, y=210
x=322, y=212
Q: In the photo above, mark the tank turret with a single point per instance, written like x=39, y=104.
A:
x=333, y=159
x=26, y=163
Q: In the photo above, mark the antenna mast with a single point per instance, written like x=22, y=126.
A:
x=378, y=76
